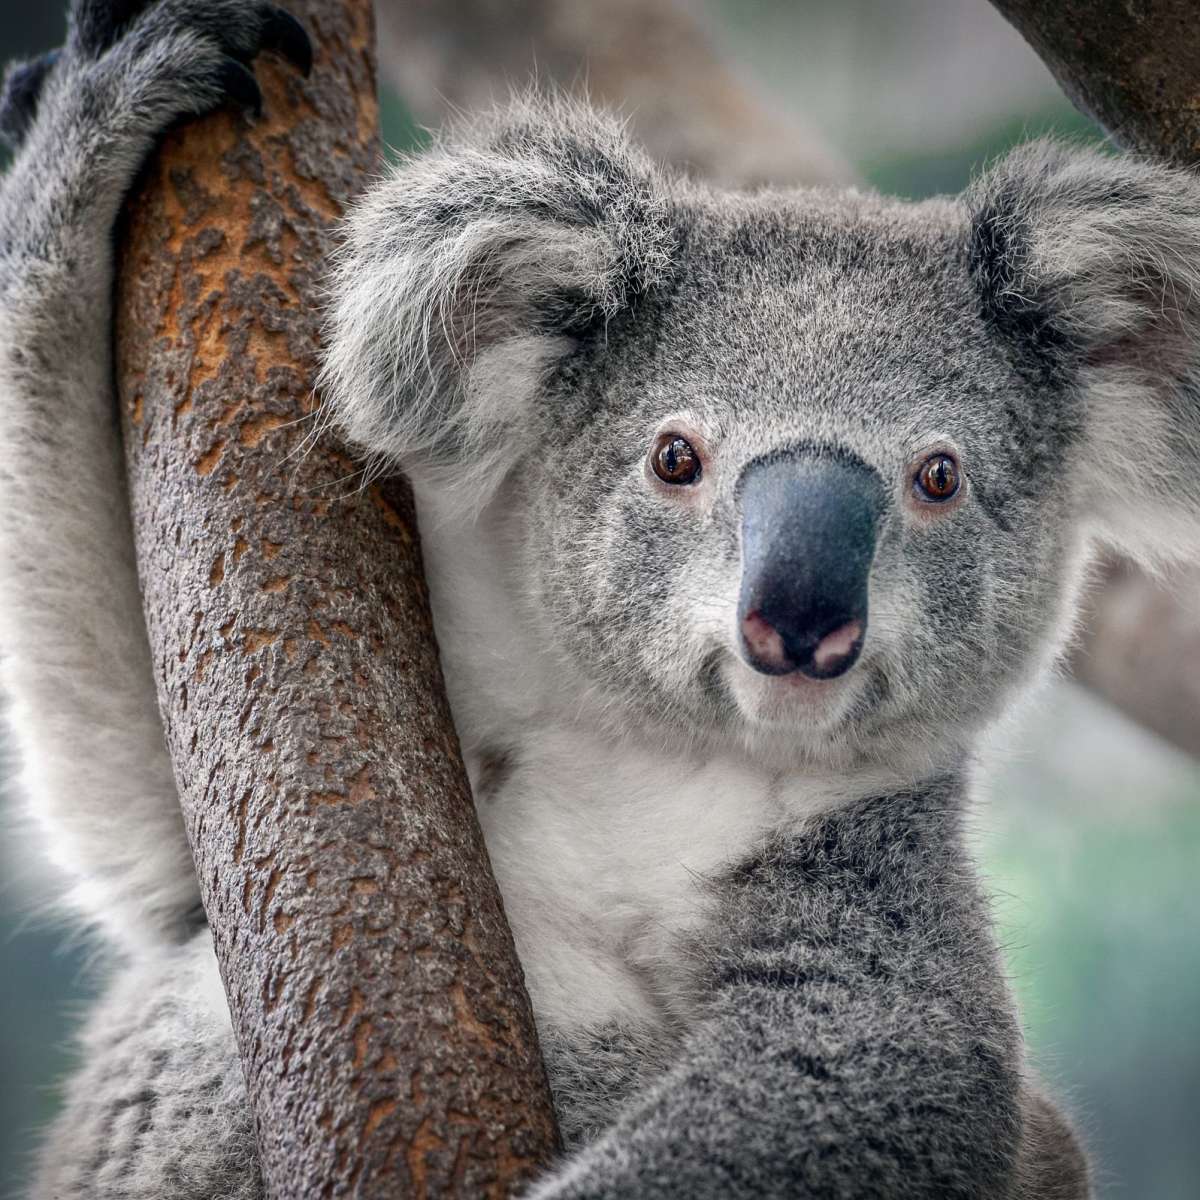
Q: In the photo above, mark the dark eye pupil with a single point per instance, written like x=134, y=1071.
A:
x=939, y=477
x=674, y=460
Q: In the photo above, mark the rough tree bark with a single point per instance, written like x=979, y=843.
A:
x=385, y=1033
x=1135, y=69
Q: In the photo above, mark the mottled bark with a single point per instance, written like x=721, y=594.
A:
x=1134, y=68
x=385, y=1033
x=651, y=59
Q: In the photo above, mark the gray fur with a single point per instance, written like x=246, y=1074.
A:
x=839, y=1050
x=757, y=952
x=158, y=1107
x=82, y=708
x=521, y=235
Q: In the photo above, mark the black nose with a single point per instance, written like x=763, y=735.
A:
x=808, y=540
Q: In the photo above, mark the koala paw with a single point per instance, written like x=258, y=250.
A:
x=146, y=63
x=245, y=28
x=204, y=47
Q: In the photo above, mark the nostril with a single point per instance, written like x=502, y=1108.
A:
x=764, y=645
x=837, y=650
x=780, y=650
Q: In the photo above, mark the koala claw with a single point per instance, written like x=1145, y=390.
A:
x=285, y=35
x=239, y=84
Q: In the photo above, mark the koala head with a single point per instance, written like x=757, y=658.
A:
x=810, y=472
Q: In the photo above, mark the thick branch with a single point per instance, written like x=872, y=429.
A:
x=385, y=1033
x=1134, y=68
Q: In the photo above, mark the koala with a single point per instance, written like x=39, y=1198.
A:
x=745, y=515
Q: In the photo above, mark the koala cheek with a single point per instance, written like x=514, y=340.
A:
x=930, y=624
x=900, y=630
x=694, y=621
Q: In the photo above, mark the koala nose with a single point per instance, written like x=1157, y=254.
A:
x=808, y=540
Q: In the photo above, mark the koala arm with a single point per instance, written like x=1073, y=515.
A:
x=83, y=716
x=76, y=662
x=859, y=1043
x=859, y=1040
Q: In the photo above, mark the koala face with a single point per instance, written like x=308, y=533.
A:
x=785, y=498
x=809, y=472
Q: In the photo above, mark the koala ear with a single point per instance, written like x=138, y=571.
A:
x=1089, y=266
x=474, y=268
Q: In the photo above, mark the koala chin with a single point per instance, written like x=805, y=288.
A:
x=744, y=515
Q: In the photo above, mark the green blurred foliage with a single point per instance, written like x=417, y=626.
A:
x=945, y=170
x=401, y=133
x=1091, y=843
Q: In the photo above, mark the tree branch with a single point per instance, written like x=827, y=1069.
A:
x=1134, y=68
x=1140, y=650
x=385, y=1033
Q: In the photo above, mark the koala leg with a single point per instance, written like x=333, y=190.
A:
x=76, y=663
x=158, y=1109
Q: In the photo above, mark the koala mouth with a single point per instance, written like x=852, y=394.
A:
x=791, y=703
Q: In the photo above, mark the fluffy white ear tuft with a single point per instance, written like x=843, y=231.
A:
x=1090, y=265
x=473, y=268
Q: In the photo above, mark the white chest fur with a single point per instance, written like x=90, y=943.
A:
x=601, y=855
x=601, y=846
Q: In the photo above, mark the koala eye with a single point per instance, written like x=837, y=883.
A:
x=674, y=460
x=938, y=478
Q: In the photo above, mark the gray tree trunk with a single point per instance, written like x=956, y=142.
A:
x=385, y=1033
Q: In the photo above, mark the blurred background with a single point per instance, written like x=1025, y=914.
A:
x=1090, y=827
